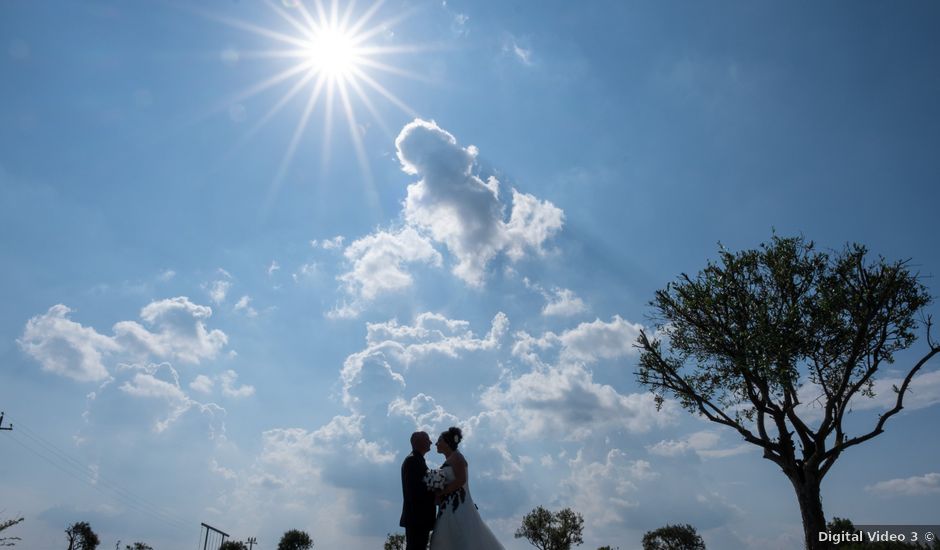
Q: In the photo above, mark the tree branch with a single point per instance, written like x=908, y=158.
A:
x=898, y=406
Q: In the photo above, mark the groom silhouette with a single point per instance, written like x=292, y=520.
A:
x=418, y=509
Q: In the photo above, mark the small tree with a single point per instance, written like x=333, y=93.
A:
x=295, y=540
x=394, y=542
x=673, y=537
x=9, y=541
x=141, y=546
x=81, y=537
x=233, y=545
x=608, y=547
x=746, y=339
x=552, y=531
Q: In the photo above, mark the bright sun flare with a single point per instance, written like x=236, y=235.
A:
x=333, y=56
x=333, y=52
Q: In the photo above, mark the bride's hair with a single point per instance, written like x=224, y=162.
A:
x=453, y=436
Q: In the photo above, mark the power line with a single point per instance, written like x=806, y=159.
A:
x=91, y=481
x=93, y=478
x=76, y=469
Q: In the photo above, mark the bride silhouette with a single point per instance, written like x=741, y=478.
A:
x=459, y=525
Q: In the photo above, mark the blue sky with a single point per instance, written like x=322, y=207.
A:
x=218, y=311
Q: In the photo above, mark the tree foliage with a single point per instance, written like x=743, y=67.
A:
x=751, y=337
x=233, y=545
x=552, y=531
x=144, y=546
x=673, y=537
x=295, y=540
x=395, y=542
x=81, y=536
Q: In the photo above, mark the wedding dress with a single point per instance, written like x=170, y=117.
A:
x=459, y=525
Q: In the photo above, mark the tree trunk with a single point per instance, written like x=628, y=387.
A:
x=807, y=486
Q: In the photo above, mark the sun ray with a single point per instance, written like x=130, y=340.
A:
x=295, y=139
x=386, y=24
x=364, y=98
x=292, y=21
x=365, y=17
x=334, y=13
x=336, y=56
x=395, y=70
x=295, y=89
x=327, y=128
x=354, y=132
x=347, y=14
x=385, y=93
x=250, y=27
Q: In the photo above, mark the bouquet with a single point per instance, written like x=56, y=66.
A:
x=434, y=479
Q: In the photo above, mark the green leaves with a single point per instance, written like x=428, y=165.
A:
x=552, y=531
x=749, y=328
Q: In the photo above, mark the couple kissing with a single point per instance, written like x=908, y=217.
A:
x=439, y=500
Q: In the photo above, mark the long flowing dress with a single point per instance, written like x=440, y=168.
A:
x=459, y=525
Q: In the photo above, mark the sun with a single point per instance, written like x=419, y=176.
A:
x=333, y=60
x=333, y=52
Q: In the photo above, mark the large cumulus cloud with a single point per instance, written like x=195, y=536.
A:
x=450, y=207
x=462, y=211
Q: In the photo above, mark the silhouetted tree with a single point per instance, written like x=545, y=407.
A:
x=608, y=547
x=143, y=546
x=673, y=537
x=394, y=542
x=747, y=336
x=9, y=541
x=81, y=537
x=233, y=545
x=552, y=531
x=295, y=540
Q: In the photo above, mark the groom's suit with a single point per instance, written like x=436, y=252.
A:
x=417, y=511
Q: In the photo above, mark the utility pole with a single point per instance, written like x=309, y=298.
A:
x=1, y=424
x=252, y=541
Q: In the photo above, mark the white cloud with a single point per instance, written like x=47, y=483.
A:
x=559, y=302
x=305, y=272
x=424, y=412
x=219, y=288
x=459, y=24
x=202, y=384
x=147, y=385
x=228, y=379
x=565, y=401
x=564, y=303
x=599, y=340
x=65, y=347
x=522, y=54
x=463, y=212
x=243, y=306
x=226, y=473
x=332, y=244
x=701, y=443
x=274, y=267
x=166, y=275
x=605, y=492
x=927, y=484
x=378, y=262
x=586, y=343
x=434, y=333
x=179, y=331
